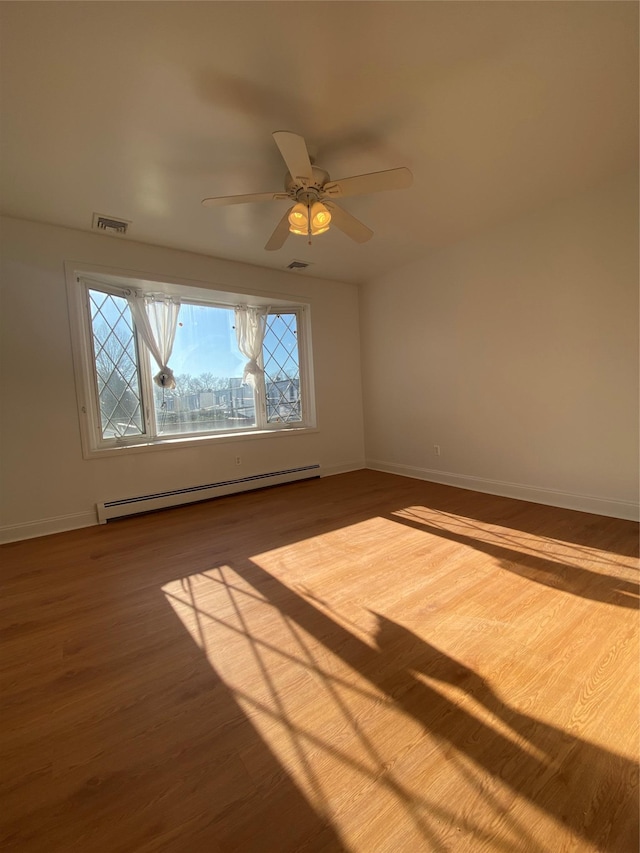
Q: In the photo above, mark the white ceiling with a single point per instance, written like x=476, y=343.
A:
x=141, y=109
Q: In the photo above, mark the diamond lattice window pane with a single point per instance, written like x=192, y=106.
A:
x=282, y=369
x=114, y=349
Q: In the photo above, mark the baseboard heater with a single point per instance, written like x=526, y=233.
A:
x=191, y=494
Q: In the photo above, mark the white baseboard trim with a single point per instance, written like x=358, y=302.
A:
x=330, y=470
x=62, y=523
x=46, y=526
x=551, y=497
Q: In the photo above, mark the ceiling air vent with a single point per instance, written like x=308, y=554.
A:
x=297, y=265
x=109, y=225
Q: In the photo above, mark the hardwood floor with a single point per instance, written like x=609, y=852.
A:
x=361, y=663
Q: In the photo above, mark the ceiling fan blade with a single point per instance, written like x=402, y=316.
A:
x=280, y=234
x=351, y=226
x=294, y=153
x=374, y=182
x=242, y=199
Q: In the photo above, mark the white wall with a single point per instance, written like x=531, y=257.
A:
x=46, y=484
x=517, y=353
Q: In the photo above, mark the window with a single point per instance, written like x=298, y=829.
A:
x=115, y=356
x=209, y=387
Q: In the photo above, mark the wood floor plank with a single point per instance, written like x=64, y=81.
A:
x=362, y=663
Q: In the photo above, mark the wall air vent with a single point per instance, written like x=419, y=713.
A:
x=109, y=225
x=297, y=265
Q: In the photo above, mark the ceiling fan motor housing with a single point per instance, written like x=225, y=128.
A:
x=306, y=191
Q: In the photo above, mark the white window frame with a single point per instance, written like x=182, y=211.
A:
x=81, y=279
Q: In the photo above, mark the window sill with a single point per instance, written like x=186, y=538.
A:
x=181, y=442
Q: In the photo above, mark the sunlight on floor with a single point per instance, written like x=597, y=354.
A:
x=564, y=552
x=328, y=690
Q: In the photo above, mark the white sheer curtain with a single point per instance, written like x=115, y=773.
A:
x=251, y=325
x=156, y=319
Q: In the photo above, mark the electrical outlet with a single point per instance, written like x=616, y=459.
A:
x=238, y=460
x=436, y=449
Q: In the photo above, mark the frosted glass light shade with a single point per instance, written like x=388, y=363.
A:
x=320, y=218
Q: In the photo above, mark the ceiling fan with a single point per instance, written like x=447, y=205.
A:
x=312, y=191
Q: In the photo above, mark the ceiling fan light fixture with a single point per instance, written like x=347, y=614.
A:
x=309, y=219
